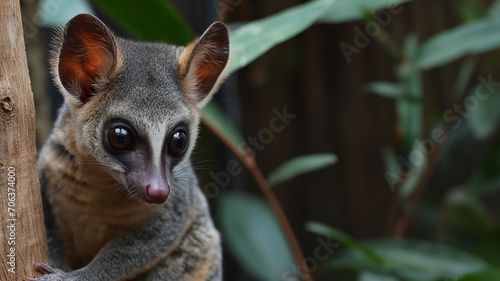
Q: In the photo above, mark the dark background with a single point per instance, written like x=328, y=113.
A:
x=310, y=75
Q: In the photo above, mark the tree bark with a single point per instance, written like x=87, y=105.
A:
x=22, y=233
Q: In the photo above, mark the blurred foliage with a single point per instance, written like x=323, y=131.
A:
x=300, y=165
x=409, y=260
x=215, y=114
x=253, y=39
x=399, y=259
x=371, y=258
x=154, y=20
x=249, y=228
x=470, y=38
x=263, y=251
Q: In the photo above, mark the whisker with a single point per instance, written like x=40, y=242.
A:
x=95, y=162
x=105, y=179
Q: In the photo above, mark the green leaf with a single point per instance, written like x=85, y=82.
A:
x=215, y=114
x=253, y=39
x=386, y=89
x=300, y=165
x=468, y=213
x=489, y=274
x=254, y=237
x=484, y=116
x=348, y=10
x=464, y=77
x=345, y=240
x=410, y=119
x=410, y=260
x=153, y=20
x=469, y=38
x=409, y=109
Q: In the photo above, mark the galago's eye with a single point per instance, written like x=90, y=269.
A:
x=177, y=143
x=120, y=138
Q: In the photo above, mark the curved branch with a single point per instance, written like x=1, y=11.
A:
x=246, y=157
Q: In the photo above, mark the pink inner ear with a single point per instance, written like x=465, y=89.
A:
x=88, y=51
x=79, y=74
x=207, y=75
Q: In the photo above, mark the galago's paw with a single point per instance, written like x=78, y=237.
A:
x=51, y=274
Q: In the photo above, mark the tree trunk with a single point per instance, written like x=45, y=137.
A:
x=22, y=233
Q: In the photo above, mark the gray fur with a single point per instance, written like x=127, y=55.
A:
x=98, y=228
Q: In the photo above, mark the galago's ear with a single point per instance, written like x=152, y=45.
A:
x=202, y=63
x=87, y=58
